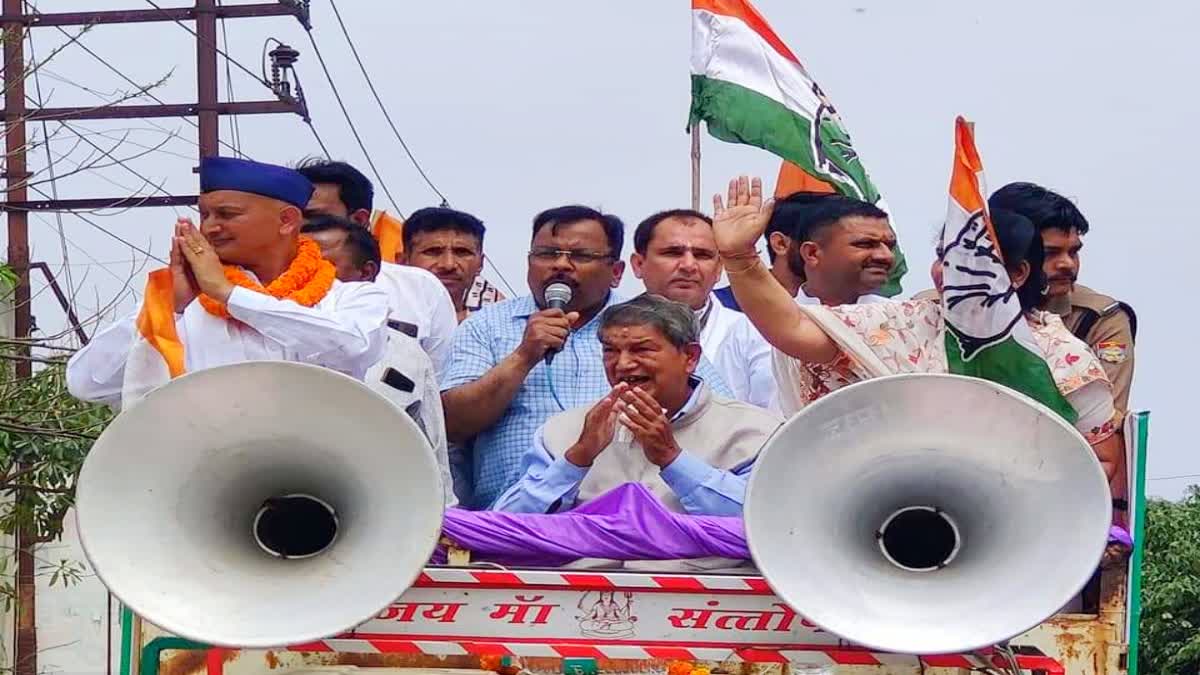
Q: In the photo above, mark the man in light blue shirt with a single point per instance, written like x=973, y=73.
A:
x=659, y=425
x=500, y=386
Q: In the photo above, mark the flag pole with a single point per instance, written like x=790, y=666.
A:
x=695, y=131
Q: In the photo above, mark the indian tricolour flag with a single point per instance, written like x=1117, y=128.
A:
x=748, y=87
x=986, y=332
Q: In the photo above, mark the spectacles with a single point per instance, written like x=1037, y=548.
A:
x=577, y=257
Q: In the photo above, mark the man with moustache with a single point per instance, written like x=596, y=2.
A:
x=824, y=249
x=449, y=244
x=501, y=386
x=1107, y=325
x=675, y=256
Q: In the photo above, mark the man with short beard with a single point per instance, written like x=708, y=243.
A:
x=824, y=248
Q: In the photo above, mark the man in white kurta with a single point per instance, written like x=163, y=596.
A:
x=343, y=332
x=250, y=229
x=675, y=256
x=417, y=297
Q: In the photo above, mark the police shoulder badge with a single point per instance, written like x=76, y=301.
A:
x=1111, y=352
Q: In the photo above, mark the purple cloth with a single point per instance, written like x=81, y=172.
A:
x=1118, y=535
x=626, y=523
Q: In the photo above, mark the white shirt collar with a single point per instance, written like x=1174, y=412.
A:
x=804, y=298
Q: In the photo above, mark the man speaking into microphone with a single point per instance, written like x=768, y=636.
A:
x=519, y=361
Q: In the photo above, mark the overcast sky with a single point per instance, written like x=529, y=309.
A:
x=515, y=107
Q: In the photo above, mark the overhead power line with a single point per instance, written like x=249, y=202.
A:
x=387, y=116
x=105, y=230
x=119, y=73
x=346, y=113
x=233, y=119
x=62, y=232
x=229, y=59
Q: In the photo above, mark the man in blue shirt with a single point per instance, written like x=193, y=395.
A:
x=659, y=425
x=499, y=387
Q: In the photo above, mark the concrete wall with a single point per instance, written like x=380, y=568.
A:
x=72, y=622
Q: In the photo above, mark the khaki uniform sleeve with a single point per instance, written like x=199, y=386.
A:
x=1111, y=339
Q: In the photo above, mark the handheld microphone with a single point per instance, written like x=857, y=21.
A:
x=558, y=296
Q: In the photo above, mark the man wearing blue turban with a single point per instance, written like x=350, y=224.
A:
x=245, y=286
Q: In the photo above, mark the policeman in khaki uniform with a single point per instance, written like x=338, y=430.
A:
x=1107, y=325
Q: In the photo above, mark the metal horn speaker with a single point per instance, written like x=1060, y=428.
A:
x=927, y=514
x=259, y=504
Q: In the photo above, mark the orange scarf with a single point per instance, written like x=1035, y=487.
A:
x=305, y=281
x=389, y=232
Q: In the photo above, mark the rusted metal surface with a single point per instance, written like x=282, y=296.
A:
x=121, y=112
x=206, y=78
x=93, y=203
x=186, y=662
x=265, y=9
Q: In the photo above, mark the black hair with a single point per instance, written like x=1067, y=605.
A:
x=645, y=229
x=354, y=189
x=614, y=229
x=805, y=215
x=358, y=238
x=1020, y=241
x=1044, y=208
x=438, y=218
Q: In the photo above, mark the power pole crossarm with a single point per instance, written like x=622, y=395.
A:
x=123, y=112
x=38, y=19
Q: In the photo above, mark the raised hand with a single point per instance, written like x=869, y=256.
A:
x=205, y=266
x=183, y=282
x=599, y=428
x=739, y=223
x=650, y=426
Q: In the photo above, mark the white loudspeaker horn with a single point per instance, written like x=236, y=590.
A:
x=927, y=514
x=260, y=504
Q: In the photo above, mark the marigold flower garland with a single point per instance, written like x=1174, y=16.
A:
x=685, y=668
x=305, y=281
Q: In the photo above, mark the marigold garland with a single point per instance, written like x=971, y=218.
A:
x=685, y=668
x=305, y=282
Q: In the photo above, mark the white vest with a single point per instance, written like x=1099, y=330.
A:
x=723, y=432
